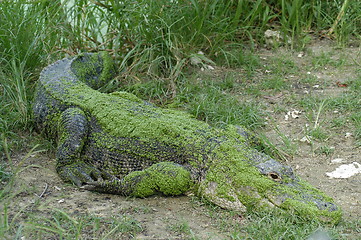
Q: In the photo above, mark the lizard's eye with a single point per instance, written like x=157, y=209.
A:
x=274, y=176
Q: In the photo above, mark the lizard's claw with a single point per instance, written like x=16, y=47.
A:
x=94, y=186
x=105, y=186
x=80, y=172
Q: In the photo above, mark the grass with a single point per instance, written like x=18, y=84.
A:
x=211, y=101
x=156, y=39
x=153, y=43
x=327, y=150
x=62, y=225
x=326, y=60
x=182, y=228
x=274, y=224
x=208, y=100
x=344, y=110
x=287, y=149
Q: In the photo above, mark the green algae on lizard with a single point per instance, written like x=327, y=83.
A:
x=118, y=143
x=169, y=178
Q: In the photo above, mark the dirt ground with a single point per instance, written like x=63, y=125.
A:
x=308, y=164
x=158, y=214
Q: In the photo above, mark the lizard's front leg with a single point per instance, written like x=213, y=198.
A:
x=73, y=132
x=165, y=177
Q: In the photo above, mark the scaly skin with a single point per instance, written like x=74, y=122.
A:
x=117, y=143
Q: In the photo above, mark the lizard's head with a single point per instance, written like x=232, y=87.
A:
x=263, y=183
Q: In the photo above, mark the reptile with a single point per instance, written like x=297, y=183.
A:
x=119, y=144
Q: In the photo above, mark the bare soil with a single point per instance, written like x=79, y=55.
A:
x=160, y=216
x=308, y=163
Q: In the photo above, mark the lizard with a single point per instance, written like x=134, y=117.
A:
x=117, y=143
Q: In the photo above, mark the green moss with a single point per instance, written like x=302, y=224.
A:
x=96, y=71
x=237, y=178
x=126, y=95
x=311, y=211
x=108, y=68
x=300, y=200
x=168, y=178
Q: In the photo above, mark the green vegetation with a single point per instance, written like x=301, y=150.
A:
x=183, y=229
x=210, y=100
x=63, y=226
x=269, y=225
x=155, y=39
x=154, y=43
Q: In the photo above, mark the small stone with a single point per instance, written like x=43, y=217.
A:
x=305, y=139
x=345, y=171
x=295, y=114
x=209, y=67
x=337, y=160
x=319, y=235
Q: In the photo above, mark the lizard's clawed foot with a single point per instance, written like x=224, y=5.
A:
x=80, y=173
x=104, y=186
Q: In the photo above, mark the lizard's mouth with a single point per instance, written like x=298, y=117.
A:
x=315, y=202
x=299, y=197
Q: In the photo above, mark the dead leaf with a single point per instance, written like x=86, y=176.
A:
x=339, y=84
x=274, y=98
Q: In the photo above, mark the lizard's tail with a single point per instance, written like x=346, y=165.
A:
x=94, y=69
